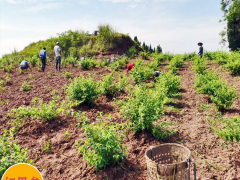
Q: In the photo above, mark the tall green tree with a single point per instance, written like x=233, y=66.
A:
x=231, y=33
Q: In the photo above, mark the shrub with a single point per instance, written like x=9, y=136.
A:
x=103, y=145
x=132, y=52
x=175, y=63
x=67, y=74
x=83, y=90
x=224, y=96
x=11, y=153
x=170, y=83
x=222, y=57
x=144, y=55
x=159, y=58
x=64, y=62
x=104, y=62
x=233, y=63
x=221, y=94
x=199, y=64
x=26, y=87
x=119, y=63
x=122, y=82
x=108, y=86
x=139, y=73
x=88, y=63
x=153, y=65
x=230, y=131
x=144, y=107
x=33, y=60
x=71, y=60
x=39, y=110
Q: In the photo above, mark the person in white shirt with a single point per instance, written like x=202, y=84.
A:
x=57, y=52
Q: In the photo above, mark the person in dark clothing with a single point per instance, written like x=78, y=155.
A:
x=43, y=57
x=156, y=74
x=130, y=67
x=200, y=49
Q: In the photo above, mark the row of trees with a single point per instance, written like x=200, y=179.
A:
x=147, y=48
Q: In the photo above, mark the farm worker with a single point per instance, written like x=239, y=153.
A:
x=200, y=49
x=24, y=65
x=43, y=56
x=57, y=52
x=130, y=67
x=156, y=74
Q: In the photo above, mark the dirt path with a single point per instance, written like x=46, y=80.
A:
x=213, y=160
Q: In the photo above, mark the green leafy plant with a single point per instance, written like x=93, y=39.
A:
x=230, y=131
x=7, y=79
x=175, y=63
x=83, y=90
x=103, y=145
x=170, y=82
x=46, y=147
x=26, y=87
x=72, y=60
x=67, y=74
x=144, y=55
x=108, y=86
x=88, y=63
x=199, y=64
x=144, y=107
x=39, y=110
x=68, y=136
x=141, y=74
x=64, y=62
x=132, y=52
x=33, y=60
x=220, y=93
x=11, y=153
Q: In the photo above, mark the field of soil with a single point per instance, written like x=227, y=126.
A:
x=215, y=159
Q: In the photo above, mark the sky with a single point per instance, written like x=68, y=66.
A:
x=176, y=25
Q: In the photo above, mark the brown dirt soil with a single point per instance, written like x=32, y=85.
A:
x=215, y=159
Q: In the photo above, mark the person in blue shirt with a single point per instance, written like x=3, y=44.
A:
x=43, y=57
x=200, y=49
x=24, y=65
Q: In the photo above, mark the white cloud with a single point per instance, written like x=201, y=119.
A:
x=133, y=6
x=42, y=7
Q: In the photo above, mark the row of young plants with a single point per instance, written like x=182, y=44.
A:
x=231, y=60
x=86, y=90
x=210, y=82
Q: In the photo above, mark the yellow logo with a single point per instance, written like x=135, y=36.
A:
x=22, y=172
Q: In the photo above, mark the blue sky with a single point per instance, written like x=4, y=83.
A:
x=177, y=25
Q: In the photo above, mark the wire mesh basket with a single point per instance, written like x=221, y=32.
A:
x=169, y=162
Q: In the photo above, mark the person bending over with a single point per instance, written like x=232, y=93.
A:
x=130, y=67
x=156, y=74
x=24, y=65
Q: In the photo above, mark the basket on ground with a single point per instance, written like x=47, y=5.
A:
x=168, y=161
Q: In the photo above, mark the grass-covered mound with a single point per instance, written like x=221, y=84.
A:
x=80, y=43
